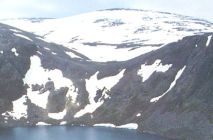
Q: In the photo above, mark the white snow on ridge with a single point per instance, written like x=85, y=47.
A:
x=16, y=31
x=110, y=53
x=72, y=55
x=147, y=70
x=208, y=41
x=127, y=23
x=179, y=73
x=94, y=84
x=114, y=27
x=22, y=36
x=38, y=75
x=43, y=39
x=19, y=109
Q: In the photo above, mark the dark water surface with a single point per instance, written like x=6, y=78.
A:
x=72, y=133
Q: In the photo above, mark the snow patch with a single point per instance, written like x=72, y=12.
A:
x=208, y=41
x=14, y=51
x=63, y=123
x=22, y=36
x=92, y=85
x=126, y=126
x=53, y=53
x=19, y=109
x=38, y=75
x=72, y=93
x=43, y=39
x=16, y=31
x=136, y=28
x=58, y=116
x=90, y=108
x=105, y=125
x=138, y=115
x=147, y=70
x=178, y=75
x=129, y=126
x=42, y=123
x=106, y=53
x=38, y=99
x=72, y=55
x=48, y=49
x=39, y=53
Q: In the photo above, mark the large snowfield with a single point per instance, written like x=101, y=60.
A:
x=99, y=34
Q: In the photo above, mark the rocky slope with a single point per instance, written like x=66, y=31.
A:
x=167, y=91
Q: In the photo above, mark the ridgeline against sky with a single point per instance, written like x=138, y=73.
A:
x=63, y=8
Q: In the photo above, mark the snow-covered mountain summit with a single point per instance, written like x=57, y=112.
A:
x=114, y=34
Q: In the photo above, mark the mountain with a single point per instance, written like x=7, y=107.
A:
x=116, y=34
x=166, y=90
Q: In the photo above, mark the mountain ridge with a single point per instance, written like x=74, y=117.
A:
x=143, y=31
x=166, y=91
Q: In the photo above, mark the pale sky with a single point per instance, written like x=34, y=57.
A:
x=63, y=8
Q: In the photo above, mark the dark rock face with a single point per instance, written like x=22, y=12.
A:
x=36, y=114
x=49, y=86
x=184, y=112
x=37, y=87
x=5, y=105
x=57, y=100
x=13, y=68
